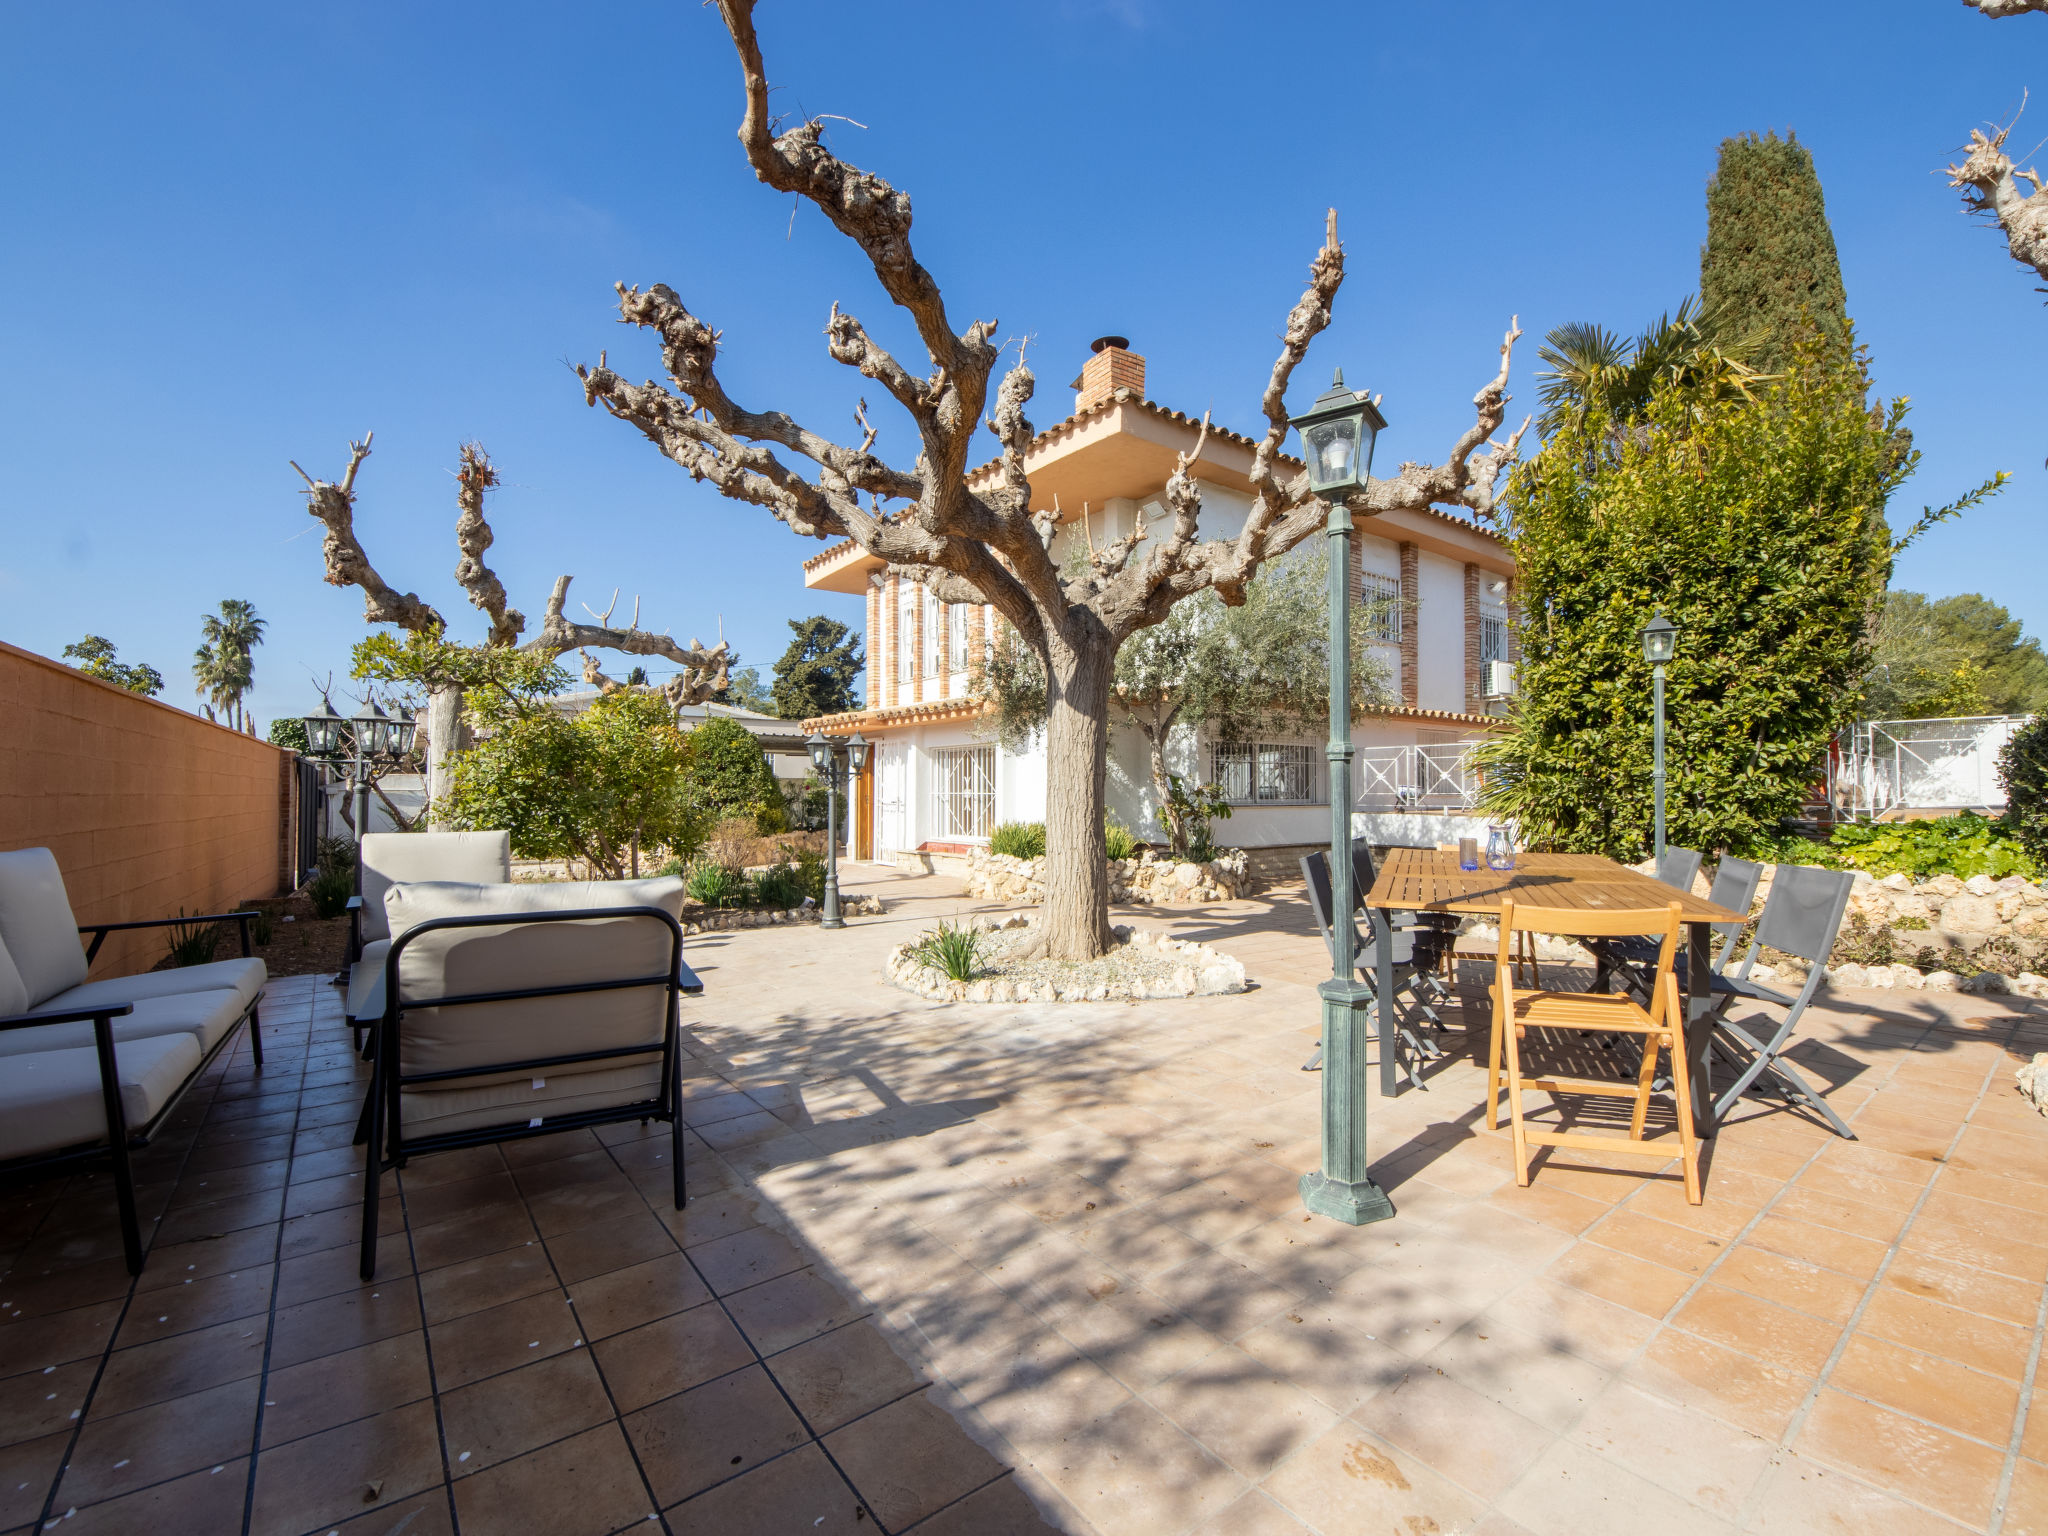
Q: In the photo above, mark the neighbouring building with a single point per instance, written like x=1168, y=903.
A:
x=1440, y=588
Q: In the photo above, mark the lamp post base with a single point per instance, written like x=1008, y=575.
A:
x=1353, y=1204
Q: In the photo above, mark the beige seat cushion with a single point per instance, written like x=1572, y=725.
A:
x=50, y=1100
x=244, y=978
x=491, y=958
x=397, y=858
x=205, y=1016
x=516, y=1101
x=36, y=924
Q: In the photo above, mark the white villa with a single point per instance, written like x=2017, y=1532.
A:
x=1440, y=584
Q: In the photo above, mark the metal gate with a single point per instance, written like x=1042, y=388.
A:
x=312, y=804
x=1881, y=767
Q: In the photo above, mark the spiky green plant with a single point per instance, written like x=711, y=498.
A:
x=955, y=951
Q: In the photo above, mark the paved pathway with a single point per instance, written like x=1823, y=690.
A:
x=954, y=1270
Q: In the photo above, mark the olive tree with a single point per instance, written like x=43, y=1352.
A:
x=979, y=539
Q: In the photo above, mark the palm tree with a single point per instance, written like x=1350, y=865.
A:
x=223, y=666
x=1592, y=369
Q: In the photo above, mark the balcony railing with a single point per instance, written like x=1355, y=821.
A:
x=1432, y=777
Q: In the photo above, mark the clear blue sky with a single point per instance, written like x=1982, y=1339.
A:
x=239, y=235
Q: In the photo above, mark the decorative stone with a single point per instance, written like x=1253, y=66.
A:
x=1980, y=885
x=1897, y=882
x=1849, y=976
x=2033, y=1081
x=1940, y=981
x=1973, y=913
x=1984, y=982
x=1943, y=886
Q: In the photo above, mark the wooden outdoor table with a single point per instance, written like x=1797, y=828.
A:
x=1429, y=880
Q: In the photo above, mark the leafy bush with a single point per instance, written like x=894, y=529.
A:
x=331, y=890
x=1963, y=846
x=1191, y=807
x=719, y=885
x=2023, y=770
x=193, y=943
x=1019, y=840
x=1120, y=839
x=779, y=886
x=1859, y=943
x=810, y=873
x=955, y=951
x=731, y=775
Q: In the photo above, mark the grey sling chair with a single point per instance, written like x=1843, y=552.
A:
x=498, y=1026
x=1735, y=883
x=1417, y=949
x=1801, y=917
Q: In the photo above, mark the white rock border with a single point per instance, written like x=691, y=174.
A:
x=723, y=919
x=1205, y=972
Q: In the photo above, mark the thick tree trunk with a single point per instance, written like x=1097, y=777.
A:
x=1076, y=911
x=445, y=738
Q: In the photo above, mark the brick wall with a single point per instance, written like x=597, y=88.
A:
x=875, y=657
x=891, y=607
x=1105, y=373
x=916, y=644
x=148, y=809
x=1411, y=627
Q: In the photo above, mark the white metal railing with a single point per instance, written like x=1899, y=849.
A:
x=1437, y=776
x=1878, y=766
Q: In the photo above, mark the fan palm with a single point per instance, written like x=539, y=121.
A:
x=223, y=666
x=1591, y=368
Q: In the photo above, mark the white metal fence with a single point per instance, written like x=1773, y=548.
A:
x=1879, y=766
x=1436, y=776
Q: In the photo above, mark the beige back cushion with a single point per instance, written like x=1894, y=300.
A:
x=36, y=924
x=491, y=958
x=395, y=858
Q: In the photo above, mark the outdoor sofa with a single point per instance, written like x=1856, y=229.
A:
x=502, y=1012
x=397, y=858
x=90, y=1067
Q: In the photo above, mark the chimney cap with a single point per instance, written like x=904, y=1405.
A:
x=1102, y=343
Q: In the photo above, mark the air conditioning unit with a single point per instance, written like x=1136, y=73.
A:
x=1500, y=679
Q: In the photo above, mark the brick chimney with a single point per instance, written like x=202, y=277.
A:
x=1114, y=366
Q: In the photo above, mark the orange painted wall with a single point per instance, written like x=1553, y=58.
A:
x=147, y=808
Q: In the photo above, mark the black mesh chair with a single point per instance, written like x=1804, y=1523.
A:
x=1635, y=960
x=1417, y=944
x=1801, y=917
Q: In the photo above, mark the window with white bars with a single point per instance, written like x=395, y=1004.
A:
x=964, y=791
x=906, y=627
x=931, y=633
x=1493, y=633
x=1380, y=598
x=957, y=619
x=1265, y=773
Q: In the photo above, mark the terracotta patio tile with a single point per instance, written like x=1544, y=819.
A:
x=1801, y=1496
x=504, y=1416
x=2034, y=1445
x=1659, y=1242
x=501, y=1338
x=2026, y=1504
x=1133, y=1472
x=998, y=1509
x=344, y=1321
x=1626, y=1281
x=36, y=1403
x=801, y=1493
x=1843, y=1252
x=428, y=1205
x=1933, y=1234
x=1693, y=1455
x=671, y=1355
x=1695, y=1373
x=639, y=1293
x=1928, y=1387
x=745, y=1258
x=1352, y=1480
x=1793, y=1342
x=584, y=1486
x=189, y=1362
x=787, y=1310
x=210, y=1499
x=490, y=1230
x=841, y=1375
x=201, y=1304
x=1525, y=1371
x=26, y=1472
x=1790, y=1282
x=1930, y=1466
x=1468, y=1438
x=1243, y=1411
x=1570, y=1490
x=326, y=1478
x=119, y=1453
x=353, y=1384
x=909, y=1460
x=1982, y=1343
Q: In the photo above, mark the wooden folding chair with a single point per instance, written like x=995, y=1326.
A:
x=1516, y=1010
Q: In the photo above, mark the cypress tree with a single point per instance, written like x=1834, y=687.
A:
x=1768, y=269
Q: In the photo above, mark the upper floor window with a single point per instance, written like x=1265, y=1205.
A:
x=957, y=619
x=1493, y=633
x=1380, y=597
x=906, y=627
x=932, y=610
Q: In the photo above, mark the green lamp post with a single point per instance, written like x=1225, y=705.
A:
x=1337, y=435
x=1660, y=643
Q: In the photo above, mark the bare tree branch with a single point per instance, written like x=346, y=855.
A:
x=1998, y=8
x=706, y=669
x=1991, y=185
x=334, y=503
x=473, y=536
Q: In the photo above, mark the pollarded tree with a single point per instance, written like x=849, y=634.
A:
x=1990, y=182
x=986, y=544
x=447, y=671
